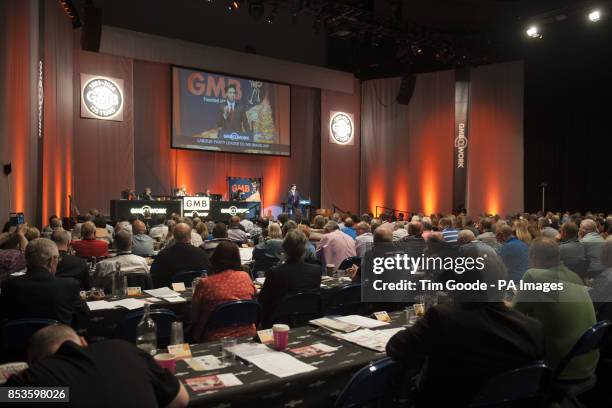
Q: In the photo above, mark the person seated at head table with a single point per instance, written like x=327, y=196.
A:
x=111, y=373
x=226, y=282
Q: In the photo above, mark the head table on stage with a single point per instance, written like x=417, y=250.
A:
x=217, y=210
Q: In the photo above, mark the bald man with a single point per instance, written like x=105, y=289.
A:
x=111, y=373
x=142, y=244
x=182, y=256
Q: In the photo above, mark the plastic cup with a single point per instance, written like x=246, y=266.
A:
x=280, y=333
x=330, y=269
x=167, y=361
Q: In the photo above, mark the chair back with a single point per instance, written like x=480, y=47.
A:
x=187, y=277
x=589, y=341
x=15, y=335
x=234, y=314
x=163, y=319
x=346, y=300
x=297, y=309
x=350, y=261
x=528, y=384
x=375, y=382
x=139, y=279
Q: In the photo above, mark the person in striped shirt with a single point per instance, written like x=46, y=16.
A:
x=448, y=232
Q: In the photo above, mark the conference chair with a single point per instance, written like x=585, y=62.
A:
x=234, y=314
x=522, y=387
x=187, y=277
x=143, y=280
x=377, y=382
x=15, y=335
x=163, y=319
x=589, y=341
x=297, y=309
x=347, y=300
x=350, y=261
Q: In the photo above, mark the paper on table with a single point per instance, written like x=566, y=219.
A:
x=152, y=300
x=99, y=305
x=246, y=254
x=260, y=280
x=162, y=292
x=275, y=362
x=361, y=321
x=371, y=339
x=175, y=299
x=129, y=304
x=211, y=382
x=204, y=363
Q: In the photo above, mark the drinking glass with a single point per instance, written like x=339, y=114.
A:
x=227, y=350
x=411, y=316
x=176, y=334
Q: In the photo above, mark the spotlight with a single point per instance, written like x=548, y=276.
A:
x=270, y=19
x=595, y=16
x=234, y=5
x=533, y=32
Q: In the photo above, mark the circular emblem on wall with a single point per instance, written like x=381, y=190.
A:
x=233, y=210
x=102, y=97
x=341, y=128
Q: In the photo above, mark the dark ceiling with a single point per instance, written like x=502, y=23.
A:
x=370, y=38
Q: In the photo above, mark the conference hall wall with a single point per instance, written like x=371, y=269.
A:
x=407, y=154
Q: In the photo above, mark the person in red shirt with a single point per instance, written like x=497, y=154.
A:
x=225, y=283
x=90, y=246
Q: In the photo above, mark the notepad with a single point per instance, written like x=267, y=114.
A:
x=99, y=305
x=274, y=362
x=361, y=321
x=129, y=304
x=162, y=292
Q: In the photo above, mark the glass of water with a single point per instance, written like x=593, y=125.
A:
x=176, y=333
x=411, y=316
x=227, y=350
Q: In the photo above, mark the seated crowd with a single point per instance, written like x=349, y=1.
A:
x=293, y=255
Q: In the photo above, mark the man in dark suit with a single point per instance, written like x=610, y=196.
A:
x=70, y=266
x=180, y=257
x=232, y=117
x=289, y=278
x=459, y=347
x=293, y=199
x=39, y=293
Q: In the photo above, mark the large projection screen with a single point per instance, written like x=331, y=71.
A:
x=223, y=113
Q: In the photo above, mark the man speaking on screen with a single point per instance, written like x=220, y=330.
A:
x=231, y=117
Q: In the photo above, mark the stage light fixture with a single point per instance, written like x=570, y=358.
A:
x=533, y=32
x=595, y=16
x=234, y=5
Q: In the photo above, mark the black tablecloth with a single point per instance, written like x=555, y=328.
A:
x=318, y=388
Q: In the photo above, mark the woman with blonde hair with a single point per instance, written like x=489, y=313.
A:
x=521, y=231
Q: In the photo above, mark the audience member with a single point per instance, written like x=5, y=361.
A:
x=335, y=246
x=514, y=253
x=364, y=238
x=89, y=246
x=442, y=344
x=565, y=314
x=103, y=374
x=159, y=231
x=268, y=253
x=219, y=233
x=39, y=293
x=225, y=282
x=235, y=233
x=182, y=256
x=592, y=242
x=448, y=231
x=12, y=247
x=70, y=266
x=142, y=244
x=291, y=277
x=487, y=234
x=348, y=228
x=125, y=259
x=571, y=250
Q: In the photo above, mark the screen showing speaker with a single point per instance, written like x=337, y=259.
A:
x=225, y=113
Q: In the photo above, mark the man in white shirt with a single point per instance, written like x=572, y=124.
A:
x=400, y=231
x=160, y=229
x=364, y=238
x=128, y=262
